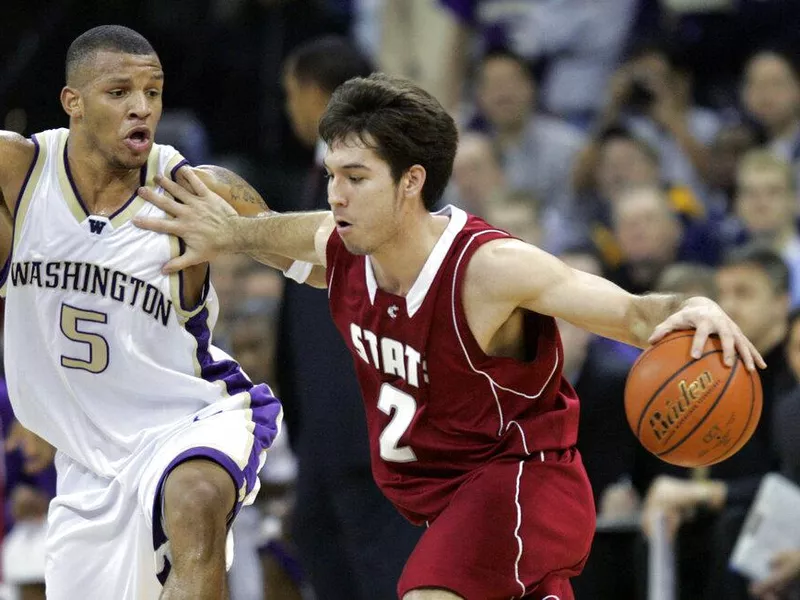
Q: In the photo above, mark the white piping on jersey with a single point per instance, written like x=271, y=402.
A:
x=522, y=433
x=516, y=530
x=419, y=289
x=492, y=382
x=330, y=285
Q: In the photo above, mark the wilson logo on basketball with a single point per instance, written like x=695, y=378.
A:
x=675, y=411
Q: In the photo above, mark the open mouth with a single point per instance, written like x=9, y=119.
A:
x=342, y=225
x=138, y=139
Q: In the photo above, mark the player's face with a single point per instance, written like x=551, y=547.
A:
x=747, y=295
x=120, y=106
x=364, y=198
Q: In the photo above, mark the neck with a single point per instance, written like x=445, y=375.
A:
x=101, y=186
x=398, y=263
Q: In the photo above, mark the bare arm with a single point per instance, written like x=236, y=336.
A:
x=16, y=156
x=210, y=225
x=509, y=274
x=248, y=203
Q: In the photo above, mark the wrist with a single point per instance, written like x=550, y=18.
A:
x=713, y=495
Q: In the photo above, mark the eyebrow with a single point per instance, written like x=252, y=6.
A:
x=347, y=166
x=118, y=80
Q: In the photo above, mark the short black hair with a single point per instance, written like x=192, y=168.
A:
x=764, y=258
x=328, y=62
x=115, y=38
x=401, y=122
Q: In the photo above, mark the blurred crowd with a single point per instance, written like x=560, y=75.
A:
x=655, y=142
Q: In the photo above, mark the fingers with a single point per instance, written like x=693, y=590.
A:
x=661, y=330
x=197, y=184
x=746, y=351
x=165, y=203
x=176, y=189
x=700, y=338
x=184, y=261
x=161, y=225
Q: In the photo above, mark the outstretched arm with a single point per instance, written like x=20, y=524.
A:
x=209, y=222
x=511, y=274
x=248, y=203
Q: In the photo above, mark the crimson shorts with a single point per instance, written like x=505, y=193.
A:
x=514, y=529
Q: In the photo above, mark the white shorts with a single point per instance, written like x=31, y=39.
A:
x=105, y=536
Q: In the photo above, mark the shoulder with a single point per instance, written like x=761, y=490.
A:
x=16, y=155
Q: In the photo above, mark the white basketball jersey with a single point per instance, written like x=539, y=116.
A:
x=100, y=354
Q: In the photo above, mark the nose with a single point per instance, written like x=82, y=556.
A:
x=139, y=107
x=335, y=195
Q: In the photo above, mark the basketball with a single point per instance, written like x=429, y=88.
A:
x=691, y=413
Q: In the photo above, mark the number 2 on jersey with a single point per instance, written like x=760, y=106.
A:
x=97, y=345
x=404, y=407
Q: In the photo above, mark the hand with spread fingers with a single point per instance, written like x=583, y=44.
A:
x=200, y=217
x=706, y=318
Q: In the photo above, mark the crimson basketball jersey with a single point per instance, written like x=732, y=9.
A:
x=438, y=407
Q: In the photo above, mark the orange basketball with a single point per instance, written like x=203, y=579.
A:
x=691, y=413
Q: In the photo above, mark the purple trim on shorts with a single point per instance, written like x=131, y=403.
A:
x=266, y=410
x=7, y=265
x=223, y=460
x=227, y=371
x=142, y=181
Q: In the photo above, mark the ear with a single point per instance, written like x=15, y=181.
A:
x=413, y=180
x=72, y=102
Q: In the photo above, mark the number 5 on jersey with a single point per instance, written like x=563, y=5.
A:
x=97, y=345
x=404, y=406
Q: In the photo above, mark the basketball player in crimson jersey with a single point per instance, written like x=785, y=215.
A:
x=451, y=326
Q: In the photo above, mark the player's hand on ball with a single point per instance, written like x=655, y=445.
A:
x=200, y=217
x=707, y=318
x=785, y=569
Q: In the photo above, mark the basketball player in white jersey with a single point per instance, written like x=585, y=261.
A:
x=160, y=435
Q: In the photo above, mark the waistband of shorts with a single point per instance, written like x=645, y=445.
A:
x=551, y=455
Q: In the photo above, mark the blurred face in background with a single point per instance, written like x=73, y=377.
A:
x=765, y=201
x=477, y=175
x=793, y=347
x=252, y=342
x=771, y=93
x=729, y=146
x=647, y=230
x=624, y=164
x=505, y=93
x=305, y=104
x=746, y=293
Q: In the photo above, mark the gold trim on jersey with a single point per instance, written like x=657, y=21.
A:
x=78, y=210
x=135, y=205
x=26, y=193
x=175, y=286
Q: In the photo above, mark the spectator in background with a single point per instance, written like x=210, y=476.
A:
x=517, y=214
x=771, y=96
x=753, y=286
x=30, y=485
x=785, y=575
x=624, y=162
x=351, y=541
x=766, y=205
x=732, y=142
x=536, y=151
x=478, y=179
x=651, y=236
x=651, y=94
